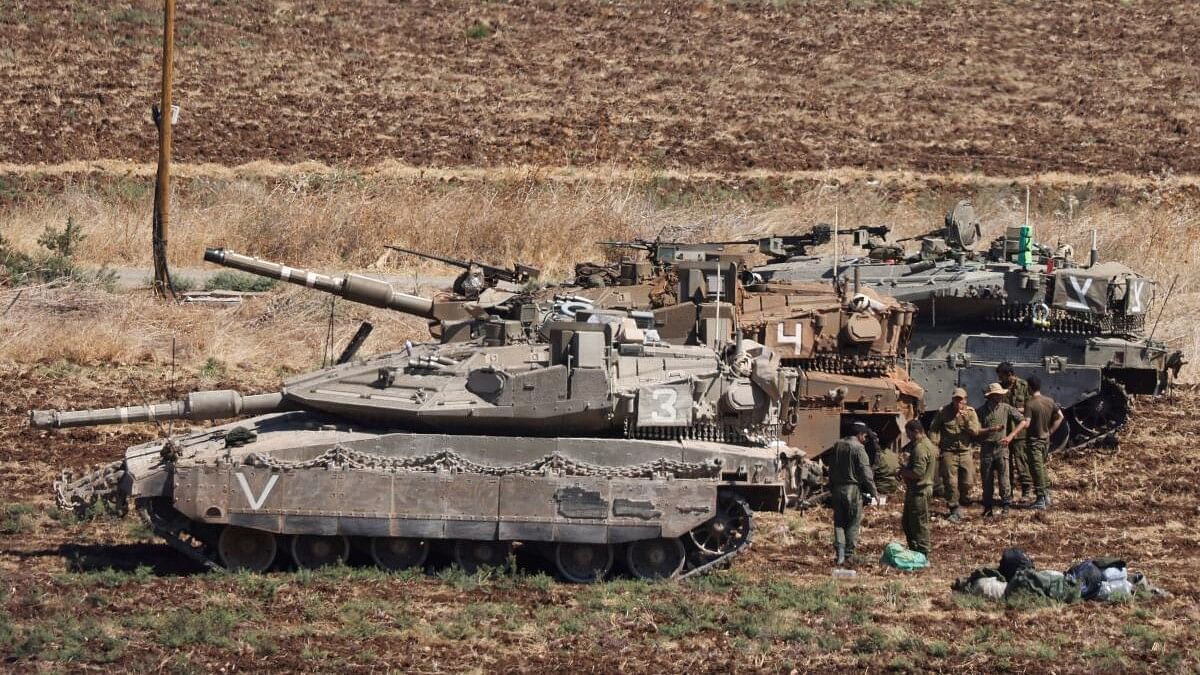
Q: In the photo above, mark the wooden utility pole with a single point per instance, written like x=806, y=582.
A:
x=162, y=190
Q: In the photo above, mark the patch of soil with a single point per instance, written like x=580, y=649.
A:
x=997, y=87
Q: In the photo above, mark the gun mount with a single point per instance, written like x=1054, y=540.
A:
x=476, y=276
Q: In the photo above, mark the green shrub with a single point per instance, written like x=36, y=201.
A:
x=479, y=30
x=228, y=280
x=212, y=626
x=16, y=519
x=56, y=264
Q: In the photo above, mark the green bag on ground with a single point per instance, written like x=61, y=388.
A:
x=1044, y=583
x=895, y=555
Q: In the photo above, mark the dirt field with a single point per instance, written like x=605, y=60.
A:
x=1002, y=88
x=99, y=595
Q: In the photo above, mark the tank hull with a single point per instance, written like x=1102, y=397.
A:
x=307, y=478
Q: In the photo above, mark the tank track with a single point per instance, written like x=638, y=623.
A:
x=173, y=529
x=725, y=559
x=79, y=494
x=1102, y=438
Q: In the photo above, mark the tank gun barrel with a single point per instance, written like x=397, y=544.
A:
x=353, y=287
x=197, y=406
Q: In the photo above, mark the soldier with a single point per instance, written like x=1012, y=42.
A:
x=886, y=467
x=1001, y=422
x=1018, y=393
x=850, y=479
x=954, y=429
x=1044, y=419
x=918, y=474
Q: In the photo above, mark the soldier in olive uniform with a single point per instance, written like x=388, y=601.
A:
x=886, y=469
x=1001, y=422
x=850, y=479
x=918, y=474
x=1018, y=394
x=954, y=429
x=1044, y=419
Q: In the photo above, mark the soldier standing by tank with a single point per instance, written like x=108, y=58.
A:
x=954, y=429
x=850, y=479
x=1001, y=422
x=918, y=474
x=1044, y=419
x=1018, y=394
x=886, y=467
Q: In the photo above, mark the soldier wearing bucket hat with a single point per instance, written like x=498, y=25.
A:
x=954, y=429
x=1001, y=423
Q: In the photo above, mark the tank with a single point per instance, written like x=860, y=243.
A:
x=847, y=349
x=1079, y=327
x=589, y=445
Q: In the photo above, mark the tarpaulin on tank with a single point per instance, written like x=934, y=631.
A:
x=1089, y=290
x=1082, y=290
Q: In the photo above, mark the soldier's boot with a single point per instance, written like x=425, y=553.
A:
x=1004, y=509
x=955, y=514
x=987, y=510
x=841, y=555
x=1041, y=504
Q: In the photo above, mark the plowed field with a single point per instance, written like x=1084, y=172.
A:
x=936, y=85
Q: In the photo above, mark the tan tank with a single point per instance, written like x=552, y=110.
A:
x=593, y=446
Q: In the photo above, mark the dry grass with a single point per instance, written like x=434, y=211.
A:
x=334, y=220
x=281, y=333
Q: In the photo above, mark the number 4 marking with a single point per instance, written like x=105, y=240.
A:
x=782, y=338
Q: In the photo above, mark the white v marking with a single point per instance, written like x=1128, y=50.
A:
x=256, y=504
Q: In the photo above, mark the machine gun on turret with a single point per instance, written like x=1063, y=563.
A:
x=777, y=248
x=477, y=277
x=954, y=239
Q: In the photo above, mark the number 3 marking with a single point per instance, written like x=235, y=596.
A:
x=664, y=410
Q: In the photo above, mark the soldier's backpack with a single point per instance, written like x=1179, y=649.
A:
x=1046, y=583
x=1012, y=561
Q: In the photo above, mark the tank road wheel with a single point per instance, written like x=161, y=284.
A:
x=472, y=555
x=399, y=553
x=655, y=559
x=727, y=531
x=312, y=551
x=583, y=563
x=241, y=548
